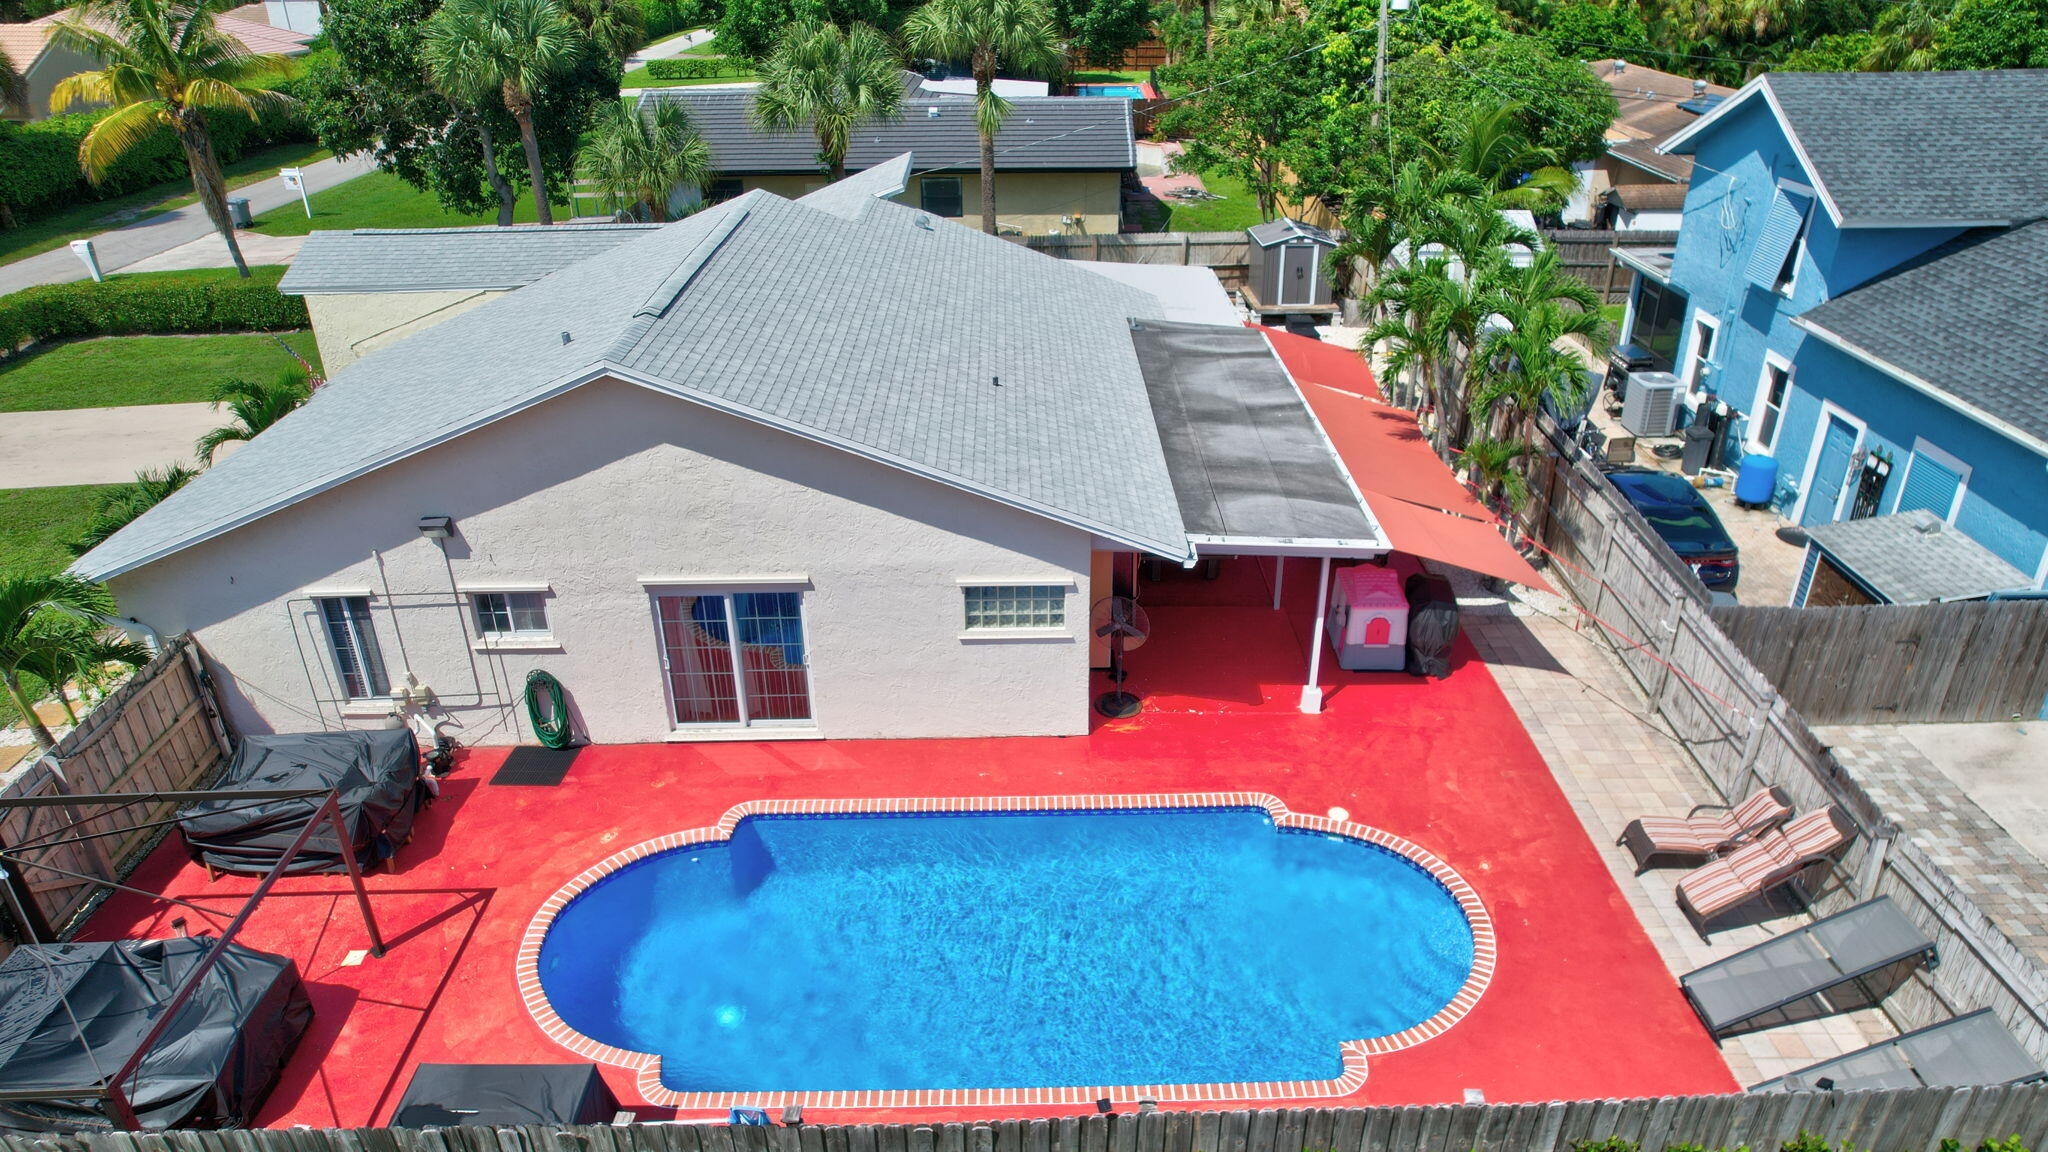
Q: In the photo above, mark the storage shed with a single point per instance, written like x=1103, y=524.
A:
x=1906, y=558
x=1287, y=268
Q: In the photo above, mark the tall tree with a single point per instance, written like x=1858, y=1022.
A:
x=1249, y=96
x=1907, y=38
x=164, y=64
x=255, y=406
x=616, y=27
x=1515, y=172
x=831, y=81
x=516, y=46
x=454, y=45
x=641, y=158
x=38, y=628
x=1101, y=31
x=991, y=35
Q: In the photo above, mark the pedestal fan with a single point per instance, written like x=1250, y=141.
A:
x=1123, y=622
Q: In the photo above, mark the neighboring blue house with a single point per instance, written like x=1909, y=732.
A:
x=1862, y=276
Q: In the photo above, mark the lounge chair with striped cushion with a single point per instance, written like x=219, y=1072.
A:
x=1705, y=832
x=1774, y=858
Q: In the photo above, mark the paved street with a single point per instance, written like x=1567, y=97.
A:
x=46, y=449
x=122, y=247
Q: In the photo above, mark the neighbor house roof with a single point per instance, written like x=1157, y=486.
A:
x=1965, y=322
x=438, y=259
x=1915, y=558
x=24, y=42
x=911, y=341
x=1287, y=228
x=1902, y=148
x=1044, y=133
x=1649, y=106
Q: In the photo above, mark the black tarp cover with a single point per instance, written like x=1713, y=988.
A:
x=210, y=1069
x=378, y=774
x=452, y=1095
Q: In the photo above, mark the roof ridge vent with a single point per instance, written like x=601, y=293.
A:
x=686, y=270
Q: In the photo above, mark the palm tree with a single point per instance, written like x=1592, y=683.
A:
x=615, y=27
x=454, y=41
x=832, y=80
x=639, y=159
x=1908, y=39
x=514, y=46
x=1018, y=35
x=37, y=630
x=13, y=86
x=1502, y=486
x=255, y=407
x=1515, y=172
x=122, y=505
x=165, y=64
x=80, y=657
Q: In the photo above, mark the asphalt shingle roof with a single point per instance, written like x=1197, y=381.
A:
x=435, y=259
x=1044, y=133
x=1901, y=146
x=913, y=341
x=1969, y=317
x=1913, y=558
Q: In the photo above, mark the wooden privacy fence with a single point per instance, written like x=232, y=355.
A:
x=1888, y=663
x=1744, y=735
x=1227, y=253
x=158, y=732
x=1585, y=254
x=1909, y=1120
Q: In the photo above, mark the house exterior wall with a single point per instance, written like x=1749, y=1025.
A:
x=591, y=494
x=1034, y=202
x=51, y=67
x=348, y=327
x=2005, y=502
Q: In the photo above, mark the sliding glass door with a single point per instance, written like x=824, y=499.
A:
x=734, y=658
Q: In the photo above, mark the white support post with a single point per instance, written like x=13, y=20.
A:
x=1312, y=692
x=1279, y=573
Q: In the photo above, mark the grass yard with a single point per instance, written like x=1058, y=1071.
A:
x=35, y=524
x=638, y=78
x=60, y=228
x=114, y=371
x=1238, y=209
x=380, y=200
x=1112, y=76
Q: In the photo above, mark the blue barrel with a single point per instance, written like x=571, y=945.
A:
x=1756, y=479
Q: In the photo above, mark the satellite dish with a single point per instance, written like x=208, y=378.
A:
x=1125, y=625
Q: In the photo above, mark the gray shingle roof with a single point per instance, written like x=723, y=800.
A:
x=1042, y=132
x=1287, y=228
x=912, y=341
x=1922, y=146
x=1969, y=318
x=438, y=259
x=1913, y=558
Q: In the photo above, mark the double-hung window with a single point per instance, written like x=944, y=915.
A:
x=511, y=615
x=1770, y=403
x=1008, y=607
x=352, y=639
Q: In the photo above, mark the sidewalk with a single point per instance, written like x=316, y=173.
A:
x=673, y=46
x=122, y=247
x=98, y=445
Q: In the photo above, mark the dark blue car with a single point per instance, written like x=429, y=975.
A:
x=1685, y=521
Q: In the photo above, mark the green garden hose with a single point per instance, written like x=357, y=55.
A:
x=552, y=728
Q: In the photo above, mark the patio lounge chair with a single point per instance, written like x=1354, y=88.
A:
x=1850, y=960
x=1970, y=1049
x=1705, y=832
x=1774, y=858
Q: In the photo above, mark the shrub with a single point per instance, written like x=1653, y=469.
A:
x=211, y=300
x=696, y=68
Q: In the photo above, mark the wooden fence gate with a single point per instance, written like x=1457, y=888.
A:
x=159, y=732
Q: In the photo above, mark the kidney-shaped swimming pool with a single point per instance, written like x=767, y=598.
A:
x=865, y=952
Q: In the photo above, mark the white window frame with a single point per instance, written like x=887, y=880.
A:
x=1695, y=359
x=1925, y=447
x=356, y=630
x=747, y=727
x=1061, y=631
x=1763, y=402
x=1828, y=411
x=517, y=639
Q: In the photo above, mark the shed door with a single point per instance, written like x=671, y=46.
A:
x=1298, y=274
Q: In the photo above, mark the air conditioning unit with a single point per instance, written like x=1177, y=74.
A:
x=1652, y=405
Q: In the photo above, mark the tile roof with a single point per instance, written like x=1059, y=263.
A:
x=913, y=341
x=1914, y=558
x=441, y=259
x=1969, y=318
x=25, y=41
x=1043, y=133
x=1647, y=110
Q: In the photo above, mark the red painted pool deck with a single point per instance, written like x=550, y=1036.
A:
x=1581, y=1004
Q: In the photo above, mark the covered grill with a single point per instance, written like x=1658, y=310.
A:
x=376, y=776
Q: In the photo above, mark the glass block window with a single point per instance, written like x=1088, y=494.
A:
x=1016, y=606
x=506, y=615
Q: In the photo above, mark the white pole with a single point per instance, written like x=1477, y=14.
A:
x=1312, y=692
x=1279, y=577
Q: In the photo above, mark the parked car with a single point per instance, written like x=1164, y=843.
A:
x=1684, y=520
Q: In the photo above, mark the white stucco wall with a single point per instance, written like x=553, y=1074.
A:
x=347, y=327
x=592, y=492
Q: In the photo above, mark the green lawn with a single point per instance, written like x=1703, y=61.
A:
x=1613, y=313
x=60, y=228
x=638, y=78
x=119, y=370
x=1130, y=76
x=379, y=200
x=1238, y=209
x=35, y=523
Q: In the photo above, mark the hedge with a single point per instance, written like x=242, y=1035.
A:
x=209, y=300
x=697, y=68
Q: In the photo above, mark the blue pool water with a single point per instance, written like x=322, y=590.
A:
x=1041, y=949
x=1127, y=91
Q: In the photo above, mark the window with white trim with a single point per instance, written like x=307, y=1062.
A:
x=511, y=615
x=1006, y=606
x=352, y=641
x=1770, y=397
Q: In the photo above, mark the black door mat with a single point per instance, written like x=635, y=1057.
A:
x=536, y=767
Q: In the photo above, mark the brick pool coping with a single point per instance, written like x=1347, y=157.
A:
x=647, y=1066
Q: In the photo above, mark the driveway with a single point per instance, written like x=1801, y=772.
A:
x=98, y=445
